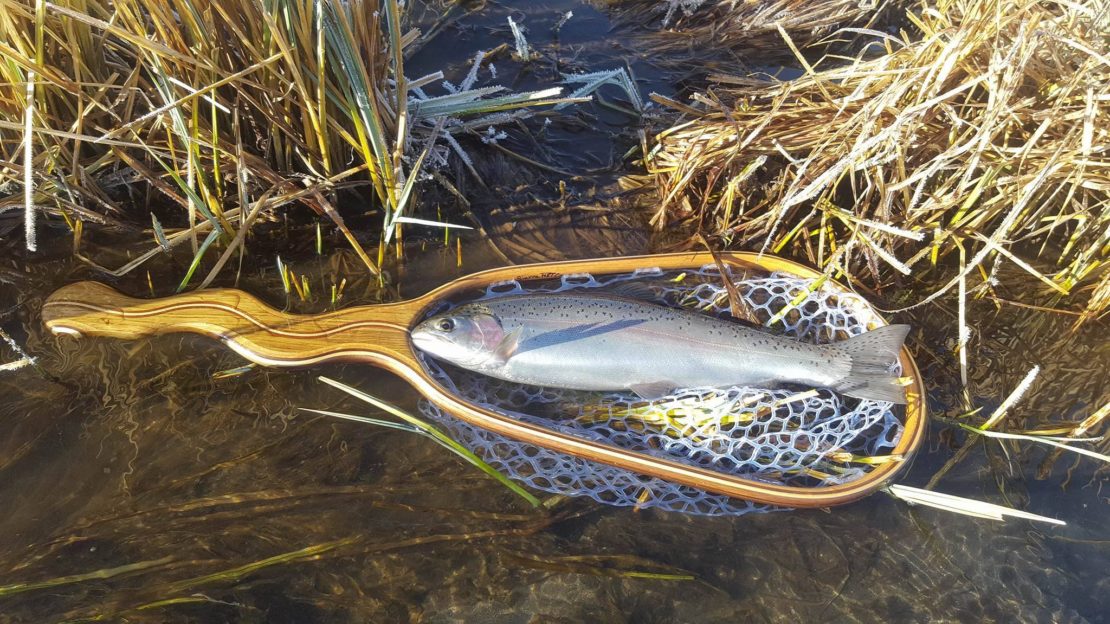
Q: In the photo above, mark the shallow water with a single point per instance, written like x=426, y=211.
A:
x=135, y=486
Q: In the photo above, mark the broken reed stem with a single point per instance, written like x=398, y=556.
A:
x=28, y=135
x=24, y=359
x=105, y=573
x=29, y=166
x=965, y=506
x=1011, y=400
x=1091, y=422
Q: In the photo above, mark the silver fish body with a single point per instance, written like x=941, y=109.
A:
x=598, y=341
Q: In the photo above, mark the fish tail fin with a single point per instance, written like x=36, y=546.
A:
x=872, y=355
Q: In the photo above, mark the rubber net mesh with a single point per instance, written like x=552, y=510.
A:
x=789, y=436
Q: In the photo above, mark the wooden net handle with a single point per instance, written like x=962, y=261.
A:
x=253, y=329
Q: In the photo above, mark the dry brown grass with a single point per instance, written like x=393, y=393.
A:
x=746, y=30
x=985, y=135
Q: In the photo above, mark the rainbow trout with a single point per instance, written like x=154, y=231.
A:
x=600, y=341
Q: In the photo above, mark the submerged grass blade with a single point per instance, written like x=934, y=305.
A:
x=106, y=573
x=233, y=575
x=624, y=566
x=440, y=437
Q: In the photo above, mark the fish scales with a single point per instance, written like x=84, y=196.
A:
x=606, y=342
x=598, y=341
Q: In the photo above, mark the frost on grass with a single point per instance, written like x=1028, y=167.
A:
x=518, y=39
x=686, y=6
x=593, y=81
x=562, y=21
x=493, y=136
x=467, y=107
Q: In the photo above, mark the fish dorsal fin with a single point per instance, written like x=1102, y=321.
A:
x=653, y=390
x=507, y=347
x=635, y=290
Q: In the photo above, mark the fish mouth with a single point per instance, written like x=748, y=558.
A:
x=422, y=340
x=431, y=344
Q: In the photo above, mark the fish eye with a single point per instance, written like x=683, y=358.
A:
x=445, y=325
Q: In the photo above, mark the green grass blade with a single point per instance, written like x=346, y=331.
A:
x=211, y=238
x=371, y=421
x=441, y=437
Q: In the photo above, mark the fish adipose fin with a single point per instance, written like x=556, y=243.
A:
x=872, y=355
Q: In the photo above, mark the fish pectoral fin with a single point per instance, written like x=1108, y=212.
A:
x=653, y=390
x=507, y=347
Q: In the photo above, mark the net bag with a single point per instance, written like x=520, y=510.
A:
x=789, y=436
